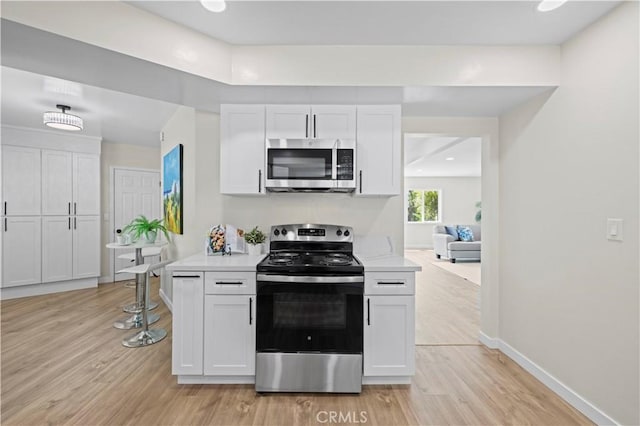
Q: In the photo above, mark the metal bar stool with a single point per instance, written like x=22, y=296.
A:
x=146, y=336
x=140, y=313
x=134, y=308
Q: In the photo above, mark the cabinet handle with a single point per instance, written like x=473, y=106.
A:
x=5, y=224
x=250, y=309
x=74, y=208
x=259, y=180
x=186, y=276
x=390, y=283
x=368, y=312
x=361, y=181
x=69, y=208
x=5, y=207
x=75, y=224
x=306, y=126
x=315, y=133
x=228, y=282
x=69, y=223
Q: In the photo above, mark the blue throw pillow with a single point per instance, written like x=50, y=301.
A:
x=451, y=230
x=465, y=233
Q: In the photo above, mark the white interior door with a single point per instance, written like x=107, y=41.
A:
x=135, y=193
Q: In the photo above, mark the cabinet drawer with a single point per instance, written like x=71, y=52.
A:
x=230, y=283
x=389, y=283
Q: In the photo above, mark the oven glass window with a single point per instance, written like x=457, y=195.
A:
x=303, y=164
x=309, y=311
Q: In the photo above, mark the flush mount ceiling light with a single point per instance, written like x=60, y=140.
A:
x=62, y=120
x=214, y=5
x=449, y=158
x=549, y=5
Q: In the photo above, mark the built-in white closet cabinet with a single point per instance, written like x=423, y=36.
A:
x=242, y=149
x=311, y=121
x=378, y=150
x=52, y=180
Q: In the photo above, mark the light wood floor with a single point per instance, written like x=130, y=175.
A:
x=447, y=306
x=62, y=363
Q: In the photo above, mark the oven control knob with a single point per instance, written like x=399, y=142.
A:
x=276, y=232
x=346, y=233
x=284, y=231
x=339, y=232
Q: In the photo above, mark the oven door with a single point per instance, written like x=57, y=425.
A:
x=309, y=314
x=301, y=164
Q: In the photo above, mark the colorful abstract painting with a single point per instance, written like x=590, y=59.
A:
x=172, y=189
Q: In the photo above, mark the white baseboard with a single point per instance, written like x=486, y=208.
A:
x=386, y=380
x=211, y=380
x=46, y=288
x=418, y=247
x=106, y=279
x=166, y=300
x=563, y=391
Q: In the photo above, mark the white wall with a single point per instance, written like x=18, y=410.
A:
x=198, y=132
x=459, y=196
x=569, y=297
x=118, y=155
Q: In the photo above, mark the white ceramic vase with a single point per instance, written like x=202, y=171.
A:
x=254, y=249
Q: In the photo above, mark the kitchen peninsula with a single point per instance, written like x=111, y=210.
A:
x=215, y=316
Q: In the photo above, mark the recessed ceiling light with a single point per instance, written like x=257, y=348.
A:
x=549, y=5
x=214, y=5
x=449, y=158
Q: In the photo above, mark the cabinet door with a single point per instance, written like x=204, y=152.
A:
x=288, y=121
x=21, y=251
x=242, y=149
x=20, y=181
x=333, y=121
x=86, y=184
x=229, y=335
x=57, y=252
x=378, y=150
x=389, y=336
x=188, y=306
x=57, y=179
x=86, y=246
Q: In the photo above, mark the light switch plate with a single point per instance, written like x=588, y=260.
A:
x=614, y=229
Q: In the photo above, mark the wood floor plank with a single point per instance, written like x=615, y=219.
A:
x=62, y=363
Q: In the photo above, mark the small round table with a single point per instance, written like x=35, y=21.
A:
x=135, y=321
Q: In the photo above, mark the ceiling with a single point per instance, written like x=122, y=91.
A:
x=383, y=22
x=116, y=117
x=128, y=100
x=442, y=156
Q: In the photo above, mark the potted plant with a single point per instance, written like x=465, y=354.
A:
x=254, y=239
x=141, y=227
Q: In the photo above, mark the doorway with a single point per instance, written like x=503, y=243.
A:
x=135, y=192
x=443, y=186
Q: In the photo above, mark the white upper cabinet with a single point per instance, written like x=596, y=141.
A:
x=379, y=161
x=242, y=149
x=311, y=122
x=57, y=181
x=20, y=181
x=86, y=184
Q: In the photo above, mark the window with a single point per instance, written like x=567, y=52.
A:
x=423, y=205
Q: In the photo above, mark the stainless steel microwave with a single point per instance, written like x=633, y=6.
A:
x=308, y=165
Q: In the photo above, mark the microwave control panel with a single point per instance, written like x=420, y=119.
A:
x=345, y=164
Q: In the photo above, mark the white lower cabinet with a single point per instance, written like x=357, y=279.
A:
x=21, y=251
x=86, y=246
x=229, y=335
x=389, y=335
x=188, y=321
x=57, y=248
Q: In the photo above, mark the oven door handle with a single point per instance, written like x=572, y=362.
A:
x=309, y=279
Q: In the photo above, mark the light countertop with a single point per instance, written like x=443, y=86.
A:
x=387, y=262
x=202, y=262
x=245, y=262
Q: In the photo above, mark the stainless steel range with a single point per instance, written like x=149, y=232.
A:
x=309, y=311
